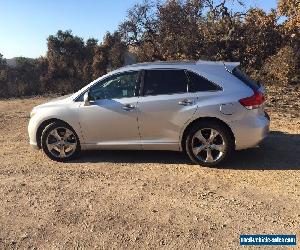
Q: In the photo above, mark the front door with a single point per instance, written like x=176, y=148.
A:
x=110, y=121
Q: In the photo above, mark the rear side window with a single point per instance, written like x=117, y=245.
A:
x=245, y=79
x=163, y=82
x=198, y=83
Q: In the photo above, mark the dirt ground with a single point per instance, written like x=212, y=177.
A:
x=148, y=200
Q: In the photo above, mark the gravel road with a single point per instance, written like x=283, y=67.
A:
x=146, y=200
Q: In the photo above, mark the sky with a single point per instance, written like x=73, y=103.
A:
x=25, y=25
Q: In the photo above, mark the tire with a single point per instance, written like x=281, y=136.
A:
x=209, y=143
x=60, y=142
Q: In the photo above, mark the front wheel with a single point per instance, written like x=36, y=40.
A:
x=60, y=142
x=209, y=143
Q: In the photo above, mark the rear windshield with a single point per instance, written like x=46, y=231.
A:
x=245, y=79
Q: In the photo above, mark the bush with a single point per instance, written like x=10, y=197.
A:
x=280, y=69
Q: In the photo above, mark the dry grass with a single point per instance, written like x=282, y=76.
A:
x=147, y=200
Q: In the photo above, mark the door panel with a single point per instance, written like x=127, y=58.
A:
x=161, y=119
x=109, y=123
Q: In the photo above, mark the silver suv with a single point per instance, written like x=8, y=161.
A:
x=206, y=109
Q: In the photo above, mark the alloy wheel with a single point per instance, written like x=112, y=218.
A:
x=208, y=145
x=61, y=142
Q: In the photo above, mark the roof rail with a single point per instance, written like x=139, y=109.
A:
x=157, y=63
x=229, y=66
x=209, y=62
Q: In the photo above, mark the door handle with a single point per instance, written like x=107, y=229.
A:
x=128, y=107
x=185, y=102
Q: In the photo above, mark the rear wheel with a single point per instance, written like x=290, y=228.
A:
x=60, y=142
x=209, y=143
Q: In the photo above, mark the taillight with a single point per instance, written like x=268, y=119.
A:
x=253, y=102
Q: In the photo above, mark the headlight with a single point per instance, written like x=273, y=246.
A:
x=32, y=113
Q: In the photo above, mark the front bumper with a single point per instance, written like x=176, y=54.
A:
x=32, y=131
x=34, y=146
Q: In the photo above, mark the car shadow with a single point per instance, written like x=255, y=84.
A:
x=279, y=151
x=132, y=156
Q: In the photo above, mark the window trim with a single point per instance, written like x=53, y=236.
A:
x=141, y=85
x=173, y=69
x=113, y=75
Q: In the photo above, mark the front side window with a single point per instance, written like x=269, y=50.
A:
x=163, y=82
x=117, y=86
x=198, y=83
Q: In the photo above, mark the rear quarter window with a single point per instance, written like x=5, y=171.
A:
x=198, y=83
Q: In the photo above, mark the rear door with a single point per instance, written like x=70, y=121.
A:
x=164, y=108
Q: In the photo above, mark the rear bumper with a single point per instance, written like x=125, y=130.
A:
x=250, y=131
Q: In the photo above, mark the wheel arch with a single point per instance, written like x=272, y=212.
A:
x=43, y=125
x=201, y=119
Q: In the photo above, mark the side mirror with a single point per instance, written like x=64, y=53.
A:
x=86, y=99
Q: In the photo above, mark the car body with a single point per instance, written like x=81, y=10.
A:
x=150, y=106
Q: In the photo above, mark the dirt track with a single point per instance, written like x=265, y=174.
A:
x=146, y=200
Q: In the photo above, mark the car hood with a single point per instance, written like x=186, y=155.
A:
x=56, y=101
x=60, y=98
